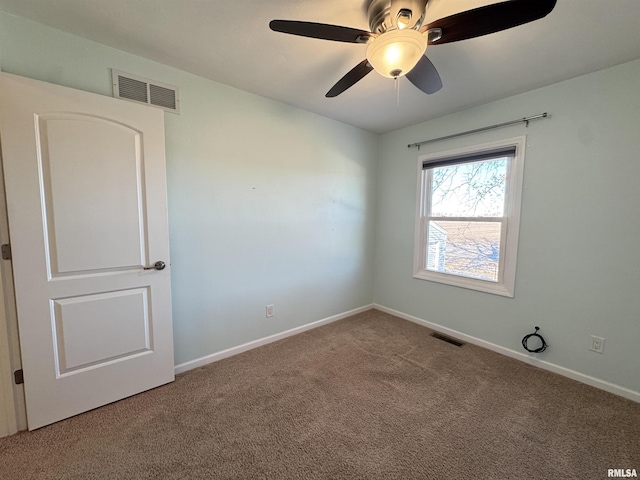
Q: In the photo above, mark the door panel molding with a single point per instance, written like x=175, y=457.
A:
x=84, y=328
x=85, y=175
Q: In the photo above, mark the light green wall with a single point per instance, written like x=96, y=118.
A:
x=578, y=271
x=267, y=203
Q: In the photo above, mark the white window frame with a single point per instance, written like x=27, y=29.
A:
x=505, y=285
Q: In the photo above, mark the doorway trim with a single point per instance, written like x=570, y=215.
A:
x=8, y=417
x=13, y=417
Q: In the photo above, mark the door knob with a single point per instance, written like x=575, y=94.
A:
x=156, y=266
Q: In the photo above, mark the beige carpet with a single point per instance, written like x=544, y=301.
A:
x=369, y=397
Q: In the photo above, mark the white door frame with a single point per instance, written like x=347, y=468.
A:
x=12, y=406
x=10, y=410
x=8, y=417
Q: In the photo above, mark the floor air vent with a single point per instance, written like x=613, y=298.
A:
x=143, y=90
x=450, y=340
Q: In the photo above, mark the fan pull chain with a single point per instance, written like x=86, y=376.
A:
x=397, y=87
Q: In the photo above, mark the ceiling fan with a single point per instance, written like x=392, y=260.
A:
x=398, y=39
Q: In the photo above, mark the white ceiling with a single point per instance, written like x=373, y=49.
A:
x=230, y=42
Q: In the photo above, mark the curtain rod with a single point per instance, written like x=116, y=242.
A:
x=520, y=120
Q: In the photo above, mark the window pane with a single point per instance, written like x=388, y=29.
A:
x=470, y=189
x=469, y=249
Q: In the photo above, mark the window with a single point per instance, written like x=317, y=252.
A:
x=468, y=216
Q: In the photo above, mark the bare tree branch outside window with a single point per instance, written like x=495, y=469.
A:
x=467, y=245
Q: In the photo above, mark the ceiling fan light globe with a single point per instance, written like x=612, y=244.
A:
x=394, y=53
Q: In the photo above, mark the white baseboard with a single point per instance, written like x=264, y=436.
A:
x=572, y=374
x=214, y=357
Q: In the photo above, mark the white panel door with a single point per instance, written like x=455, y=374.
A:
x=86, y=199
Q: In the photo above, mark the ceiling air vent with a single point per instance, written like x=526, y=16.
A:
x=143, y=90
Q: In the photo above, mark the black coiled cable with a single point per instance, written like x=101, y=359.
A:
x=526, y=338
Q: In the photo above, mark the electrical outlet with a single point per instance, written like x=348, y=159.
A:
x=597, y=344
x=269, y=311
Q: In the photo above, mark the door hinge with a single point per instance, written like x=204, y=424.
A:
x=18, y=377
x=6, y=251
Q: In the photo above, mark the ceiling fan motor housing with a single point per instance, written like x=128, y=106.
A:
x=384, y=14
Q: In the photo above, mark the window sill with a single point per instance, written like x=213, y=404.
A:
x=468, y=283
